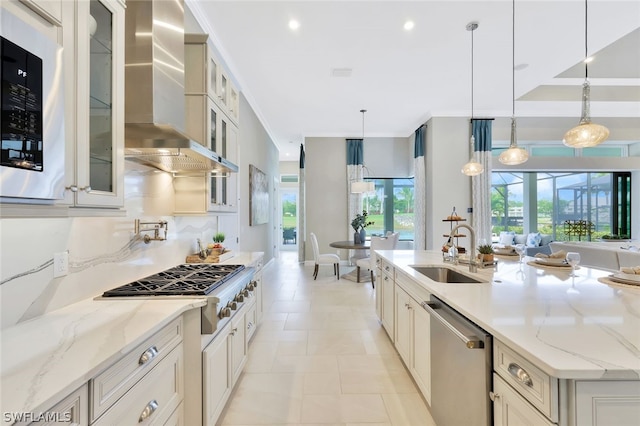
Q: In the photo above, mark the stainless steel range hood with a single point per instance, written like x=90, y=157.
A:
x=154, y=91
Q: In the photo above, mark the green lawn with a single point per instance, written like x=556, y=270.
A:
x=289, y=222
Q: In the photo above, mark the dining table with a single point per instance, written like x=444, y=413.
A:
x=360, y=249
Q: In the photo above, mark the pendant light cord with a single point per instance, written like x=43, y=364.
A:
x=586, y=51
x=472, y=74
x=513, y=60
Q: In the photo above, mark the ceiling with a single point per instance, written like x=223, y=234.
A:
x=403, y=78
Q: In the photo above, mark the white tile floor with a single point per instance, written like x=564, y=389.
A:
x=321, y=357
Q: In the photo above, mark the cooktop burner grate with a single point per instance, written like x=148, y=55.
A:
x=183, y=280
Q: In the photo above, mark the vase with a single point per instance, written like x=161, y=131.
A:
x=356, y=237
x=363, y=236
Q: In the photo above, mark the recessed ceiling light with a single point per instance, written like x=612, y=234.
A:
x=588, y=60
x=520, y=67
x=408, y=25
x=293, y=24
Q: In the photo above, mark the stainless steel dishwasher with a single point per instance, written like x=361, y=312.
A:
x=461, y=363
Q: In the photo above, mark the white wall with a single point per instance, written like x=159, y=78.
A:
x=447, y=150
x=257, y=149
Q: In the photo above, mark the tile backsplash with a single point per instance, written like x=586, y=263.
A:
x=103, y=251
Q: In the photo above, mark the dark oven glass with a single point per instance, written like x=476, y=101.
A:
x=21, y=95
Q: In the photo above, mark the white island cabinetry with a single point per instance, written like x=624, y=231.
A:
x=550, y=365
x=413, y=341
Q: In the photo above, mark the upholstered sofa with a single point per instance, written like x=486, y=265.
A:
x=534, y=242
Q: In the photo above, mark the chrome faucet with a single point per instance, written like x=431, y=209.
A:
x=472, y=252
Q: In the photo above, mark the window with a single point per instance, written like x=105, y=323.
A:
x=527, y=202
x=390, y=207
x=289, y=178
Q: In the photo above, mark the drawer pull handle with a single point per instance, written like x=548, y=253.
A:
x=148, y=355
x=151, y=407
x=520, y=374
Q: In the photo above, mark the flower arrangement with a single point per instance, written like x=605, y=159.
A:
x=360, y=221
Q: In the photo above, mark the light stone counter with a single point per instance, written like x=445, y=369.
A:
x=571, y=329
x=46, y=358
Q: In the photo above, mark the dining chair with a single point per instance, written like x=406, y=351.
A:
x=388, y=242
x=324, y=259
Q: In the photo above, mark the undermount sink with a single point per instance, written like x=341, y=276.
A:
x=445, y=275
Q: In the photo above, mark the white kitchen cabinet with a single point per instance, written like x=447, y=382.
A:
x=72, y=410
x=94, y=102
x=258, y=290
x=386, y=282
x=403, y=324
x=413, y=341
x=50, y=10
x=607, y=402
x=216, y=370
x=110, y=385
x=209, y=76
x=511, y=409
x=154, y=398
x=238, y=345
x=209, y=123
x=421, y=351
x=378, y=288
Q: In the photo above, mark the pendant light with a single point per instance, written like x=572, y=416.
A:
x=472, y=168
x=586, y=133
x=361, y=187
x=514, y=155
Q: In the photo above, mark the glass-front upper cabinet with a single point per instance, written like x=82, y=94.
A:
x=100, y=104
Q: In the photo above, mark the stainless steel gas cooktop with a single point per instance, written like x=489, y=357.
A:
x=198, y=279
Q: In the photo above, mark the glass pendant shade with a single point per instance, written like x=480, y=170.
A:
x=586, y=134
x=362, y=187
x=514, y=155
x=472, y=168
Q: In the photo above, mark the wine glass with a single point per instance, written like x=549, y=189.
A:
x=519, y=250
x=573, y=259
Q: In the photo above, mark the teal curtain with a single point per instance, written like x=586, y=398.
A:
x=482, y=133
x=354, y=152
x=481, y=184
x=301, y=208
x=418, y=144
x=419, y=189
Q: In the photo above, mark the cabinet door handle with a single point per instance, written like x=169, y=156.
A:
x=148, y=355
x=493, y=396
x=520, y=374
x=151, y=407
x=234, y=331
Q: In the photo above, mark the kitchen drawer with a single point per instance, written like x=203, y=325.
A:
x=177, y=417
x=152, y=400
x=251, y=320
x=387, y=268
x=72, y=410
x=533, y=384
x=107, y=387
x=511, y=409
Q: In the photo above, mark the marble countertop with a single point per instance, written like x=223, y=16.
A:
x=570, y=328
x=50, y=356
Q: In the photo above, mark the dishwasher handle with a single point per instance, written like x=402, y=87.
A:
x=431, y=307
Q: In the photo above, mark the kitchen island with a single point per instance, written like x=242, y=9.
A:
x=572, y=330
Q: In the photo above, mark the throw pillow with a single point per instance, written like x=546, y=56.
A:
x=534, y=239
x=507, y=237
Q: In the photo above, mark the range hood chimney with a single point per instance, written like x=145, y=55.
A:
x=154, y=91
